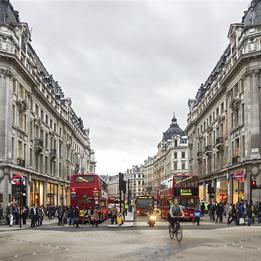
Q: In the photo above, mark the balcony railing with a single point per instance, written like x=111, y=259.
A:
x=20, y=162
x=53, y=154
x=219, y=140
x=208, y=148
x=235, y=160
x=38, y=145
x=199, y=154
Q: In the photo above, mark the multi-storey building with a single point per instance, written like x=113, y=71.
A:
x=41, y=137
x=171, y=159
x=135, y=178
x=113, y=185
x=224, y=119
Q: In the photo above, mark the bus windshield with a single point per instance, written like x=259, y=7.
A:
x=188, y=203
x=144, y=203
x=184, y=181
x=84, y=179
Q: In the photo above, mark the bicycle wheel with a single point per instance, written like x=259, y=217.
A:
x=171, y=232
x=179, y=233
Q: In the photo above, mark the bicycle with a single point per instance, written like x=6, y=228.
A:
x=177, y=231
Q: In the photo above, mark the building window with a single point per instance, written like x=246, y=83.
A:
x=243, y=112
x=46, y=119
x=222, y=107
x=175, y=155
x=175, y=165
x=175, y=143
x=20, y=120
x=20, y=150
x=51, y=123
x=183, y=155
x=183, y=165
x=46, y=141
x=60, y=131
x=21, y=92
x=13, y=114
x=14, y=86
x=237, y=117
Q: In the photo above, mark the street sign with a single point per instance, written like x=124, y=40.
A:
x=119, y=219
x=239, y=176
x=17, y=179
x=257, y=187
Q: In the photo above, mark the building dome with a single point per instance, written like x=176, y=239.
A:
x=174, y=129
x=252, y=16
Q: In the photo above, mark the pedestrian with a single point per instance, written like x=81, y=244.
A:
x=65, y=215
x=16, y=215
x=24, y=215
x=259, y=213
x=114, y=215
x=60, y=216
x=92, y=215
x=41, y=215
x=197, y=215
x=70, y=216
x=126, y=208
x=249, y=215
x=96, y=215
x=232, y=215
x=37, y=218
x=209, y=209
x=10, y=212
x=213, y=210
x=76, y=216
x=33, y=215
x=50, y=212
x=1, y=212
x=219, y=212
x=226, y=210
x=241, y=213
x=202, y=207
x=86, y=216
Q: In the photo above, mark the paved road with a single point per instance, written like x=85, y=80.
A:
x=141, y=242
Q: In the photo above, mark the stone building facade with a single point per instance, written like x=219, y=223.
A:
x=42, y=139
x=224, y=119
x=171, y=159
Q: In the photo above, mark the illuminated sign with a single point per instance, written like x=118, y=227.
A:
x=239, y=176
x=178, y=192
x=185, y=192
x=84, y=201
x=145, y=197
x=95, y=194
x=84, y=195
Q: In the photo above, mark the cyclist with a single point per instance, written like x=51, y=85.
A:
x=175, y=211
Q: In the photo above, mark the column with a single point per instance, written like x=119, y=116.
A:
x=230, y=188
x=28, y=189
x=204, y=190
x=45, y=185
x=59, y=195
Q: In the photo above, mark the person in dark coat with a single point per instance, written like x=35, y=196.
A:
x=232, y=215
x=219, y=212
x=70, y=216
x=76, y=216
x=249, y=215
x=202, y=207
x=33, y=215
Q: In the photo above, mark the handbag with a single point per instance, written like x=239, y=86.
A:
x=241, y=221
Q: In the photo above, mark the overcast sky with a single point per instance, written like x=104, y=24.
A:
x=128, y=65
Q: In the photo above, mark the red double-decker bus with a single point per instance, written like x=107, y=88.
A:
x=89, y=190
x=143, y=203
x=183, y=187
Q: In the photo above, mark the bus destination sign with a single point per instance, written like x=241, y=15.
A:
x=185, y=192
x=146, y=197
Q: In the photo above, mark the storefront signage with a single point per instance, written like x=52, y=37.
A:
x=239, y=176
x=17, y=178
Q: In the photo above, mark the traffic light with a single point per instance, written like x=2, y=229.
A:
x=121, y=181
x=253, y=184
x=208, y=188
x=212, y=190
x=24, y=189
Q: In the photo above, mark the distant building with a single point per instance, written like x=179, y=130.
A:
x=41, y=137
x=135, y=177
x=171, y=159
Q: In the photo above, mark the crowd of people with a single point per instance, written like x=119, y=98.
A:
x=65, y=215
x=238, y=213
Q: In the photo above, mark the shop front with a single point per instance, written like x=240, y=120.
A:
x=221, y=189
x=36, y=193
x=238, y=189
x=52, y=194
x=200, y=192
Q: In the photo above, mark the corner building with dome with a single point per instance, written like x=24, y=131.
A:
x=171, y=159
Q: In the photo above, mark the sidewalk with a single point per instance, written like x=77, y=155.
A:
x=46, y=221
x=206, y=219
x=128, y=222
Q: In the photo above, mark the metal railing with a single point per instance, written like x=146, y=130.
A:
x=38, y=142
x=20, y=162
x=235, y=160
x=199, y=154
x=219, y=140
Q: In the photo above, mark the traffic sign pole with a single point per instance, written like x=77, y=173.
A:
x=20, y=214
